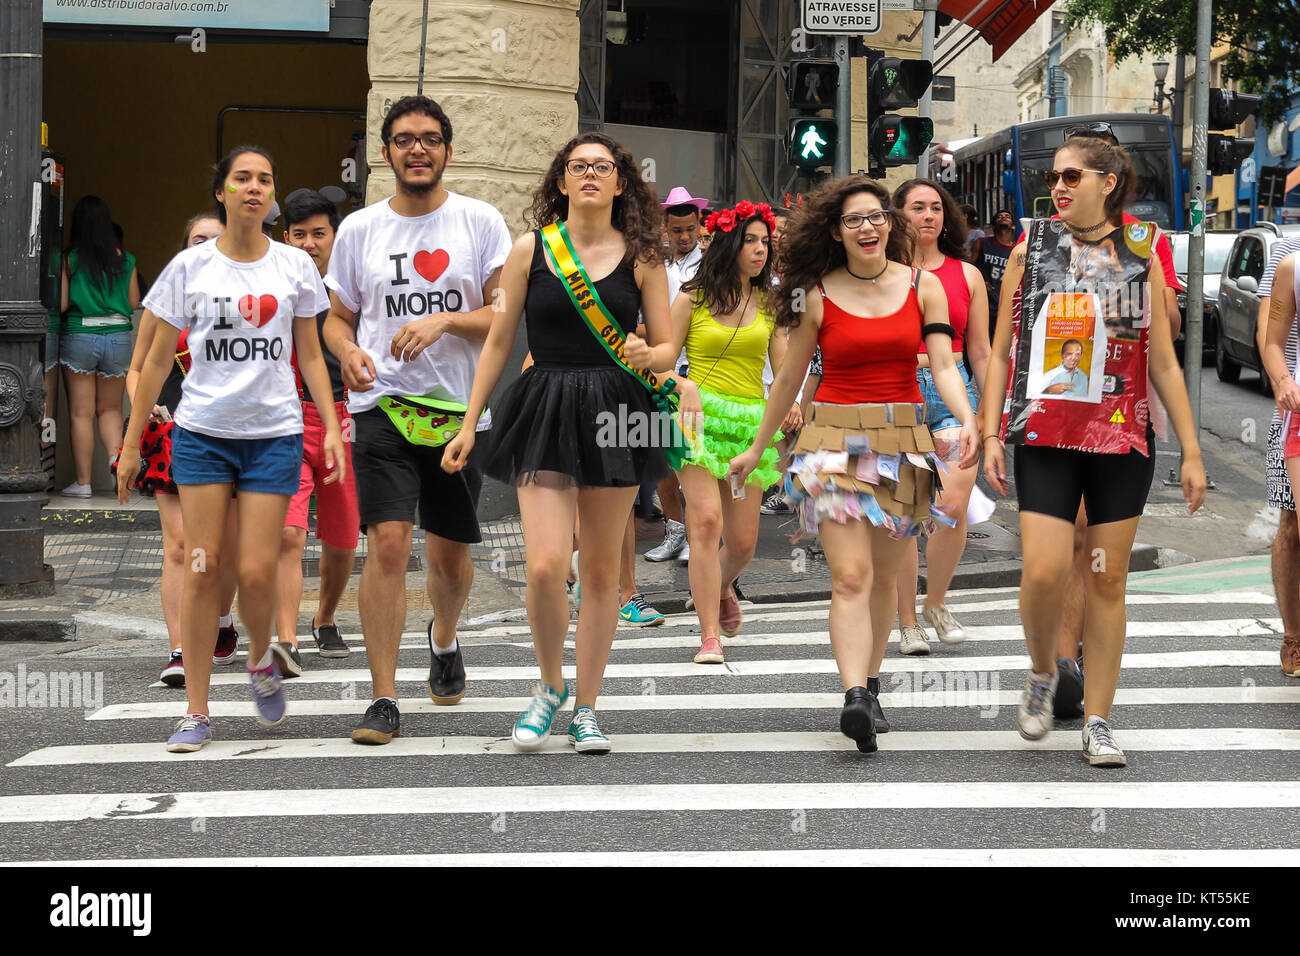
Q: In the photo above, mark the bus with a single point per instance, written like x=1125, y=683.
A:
x=1005, y=170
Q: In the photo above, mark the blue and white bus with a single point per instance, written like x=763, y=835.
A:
x=1005, y=170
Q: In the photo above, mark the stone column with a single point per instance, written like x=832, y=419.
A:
x=505, y=71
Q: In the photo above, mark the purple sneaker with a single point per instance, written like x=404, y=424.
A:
x=192, y=733
x=268, y=695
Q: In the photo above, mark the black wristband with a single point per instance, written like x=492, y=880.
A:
x=938, y=327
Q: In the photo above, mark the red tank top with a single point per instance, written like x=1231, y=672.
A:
x=870, y=358
x=953, y=277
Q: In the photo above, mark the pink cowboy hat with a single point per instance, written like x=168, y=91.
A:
x=679, y=196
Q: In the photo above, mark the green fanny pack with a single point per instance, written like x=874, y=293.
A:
x=424, y=421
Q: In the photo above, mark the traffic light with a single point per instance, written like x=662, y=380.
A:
x=1224, y=154
x=1229, y=109
x=811, y=86
x=892, y=84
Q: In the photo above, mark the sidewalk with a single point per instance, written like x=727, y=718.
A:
x=106, y=558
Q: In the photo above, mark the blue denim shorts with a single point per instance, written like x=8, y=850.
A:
x=937, y=414
x=271, y=466
x=51, y=350
x=96, y=353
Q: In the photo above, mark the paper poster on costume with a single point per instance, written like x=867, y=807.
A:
x=1067, y=357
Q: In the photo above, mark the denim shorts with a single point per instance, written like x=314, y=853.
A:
x=271, y=466
x=96, y=353
x=937, y=414
x=51, y=350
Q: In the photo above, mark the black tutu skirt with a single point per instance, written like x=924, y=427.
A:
x=593, y=427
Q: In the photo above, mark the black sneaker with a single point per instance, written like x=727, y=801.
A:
x=878, y=715
x=856, y=719
x=288, y=659
x=446, y=674
x=329, y=641
x=380, y=725
x=775, y=504
x=1068, y=703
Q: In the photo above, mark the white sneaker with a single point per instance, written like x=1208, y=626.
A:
x=685, y=555
x=76, y=490
x=911, y=640
x=673, y=543
x=1034, y=713
x=945, y=625
x=1099, y=746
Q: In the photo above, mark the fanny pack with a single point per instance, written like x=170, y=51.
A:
x=424, y=421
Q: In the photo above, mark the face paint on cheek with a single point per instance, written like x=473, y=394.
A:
x=230, y=188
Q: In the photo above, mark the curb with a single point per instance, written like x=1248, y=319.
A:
x=37, y=626
x=98, y=521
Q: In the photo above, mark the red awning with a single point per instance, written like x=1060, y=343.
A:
x=1000, y=22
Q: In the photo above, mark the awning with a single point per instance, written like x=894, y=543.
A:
x=1293, y=179
x=1000, y=22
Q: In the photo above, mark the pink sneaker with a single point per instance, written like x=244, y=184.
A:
x=729, y=616
x=710, y=652
x=227, y=643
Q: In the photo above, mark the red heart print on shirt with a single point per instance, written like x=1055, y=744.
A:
x=259, y=310
x=431, y=264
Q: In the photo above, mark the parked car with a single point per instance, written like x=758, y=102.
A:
x=1217, y=247
x=1234, y=312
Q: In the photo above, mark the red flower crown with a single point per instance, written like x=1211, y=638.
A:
x=726, y=219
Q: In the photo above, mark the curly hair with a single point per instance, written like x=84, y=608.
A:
x=952, y=237
x=636, y=214
x=809, y=250
x=718, y=278
x=1099, y=154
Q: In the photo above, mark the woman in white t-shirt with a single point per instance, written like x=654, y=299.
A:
x=246, y=302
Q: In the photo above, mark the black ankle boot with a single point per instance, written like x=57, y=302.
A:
x=857, y=720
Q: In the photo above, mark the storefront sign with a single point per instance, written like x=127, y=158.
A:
x=306, y=15
x=842, y=17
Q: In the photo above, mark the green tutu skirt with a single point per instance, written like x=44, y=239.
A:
x=729, y=427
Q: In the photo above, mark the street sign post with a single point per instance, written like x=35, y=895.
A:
x=840, y=17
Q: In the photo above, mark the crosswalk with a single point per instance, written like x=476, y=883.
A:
x=734, y=764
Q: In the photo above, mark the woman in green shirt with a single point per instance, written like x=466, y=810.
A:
x=100, y=292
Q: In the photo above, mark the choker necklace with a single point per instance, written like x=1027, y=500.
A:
x=1084, y=230
x=864, y=278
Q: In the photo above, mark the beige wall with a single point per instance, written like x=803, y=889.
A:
x=504, y=70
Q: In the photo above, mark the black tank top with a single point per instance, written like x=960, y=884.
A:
x=557, y=334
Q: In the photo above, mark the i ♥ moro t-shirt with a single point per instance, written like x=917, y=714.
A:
x=392, y=269
x=240, y=320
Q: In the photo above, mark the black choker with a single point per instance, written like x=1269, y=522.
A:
x=1084, y=230
x=865, y=278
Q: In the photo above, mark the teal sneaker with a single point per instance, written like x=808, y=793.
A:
x=640, y=614
x=532, y=729
x=585, y=735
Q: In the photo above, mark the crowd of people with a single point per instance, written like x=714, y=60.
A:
x=848, y=360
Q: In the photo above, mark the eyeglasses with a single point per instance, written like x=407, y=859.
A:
x=429, y=141
x=577, y=168
x=1071, y=176
x=1095, y=130
x=853, y=220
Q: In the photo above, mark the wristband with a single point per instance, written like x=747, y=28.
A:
x=999, y=440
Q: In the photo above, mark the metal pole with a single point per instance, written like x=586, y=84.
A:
x=1196, y=242
x=843, y=108
x=22, y=317
x=424, y=30
x=923, y=109
x=1179, y=103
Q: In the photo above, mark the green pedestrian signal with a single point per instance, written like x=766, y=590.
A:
x=811, y=141
x=900, y=140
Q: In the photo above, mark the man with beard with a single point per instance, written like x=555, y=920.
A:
x=412, y=283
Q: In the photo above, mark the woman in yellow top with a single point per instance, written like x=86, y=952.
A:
x=723, y=317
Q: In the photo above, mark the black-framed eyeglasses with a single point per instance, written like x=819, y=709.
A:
x=429, y=141
x=853, y=220
x=577, y=168
x=1102, y=131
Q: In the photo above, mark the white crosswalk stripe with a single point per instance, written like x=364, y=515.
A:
x=1210, y=728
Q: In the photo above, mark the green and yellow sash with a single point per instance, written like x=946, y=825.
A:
x=582, y=292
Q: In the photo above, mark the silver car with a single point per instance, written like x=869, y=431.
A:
x=1217, y=247
x=1235, y=312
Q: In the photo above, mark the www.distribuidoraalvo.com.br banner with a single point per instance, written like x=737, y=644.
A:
x=304, y=15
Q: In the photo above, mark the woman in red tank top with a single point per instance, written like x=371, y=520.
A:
x=939, y=229
x=846, y=285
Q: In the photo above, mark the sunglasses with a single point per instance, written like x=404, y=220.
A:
x=1071, y=176
x=1096, y=130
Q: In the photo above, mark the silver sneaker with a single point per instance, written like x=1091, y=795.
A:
x=684, y=556
x=673, y=543
x=911, y=640
x=1034, y=714
x=945, y=625
x=1099, y=746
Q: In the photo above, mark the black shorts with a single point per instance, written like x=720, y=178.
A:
x=1052, y=481
x=394, y=475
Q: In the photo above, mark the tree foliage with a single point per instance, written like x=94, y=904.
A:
x=1263, y=37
